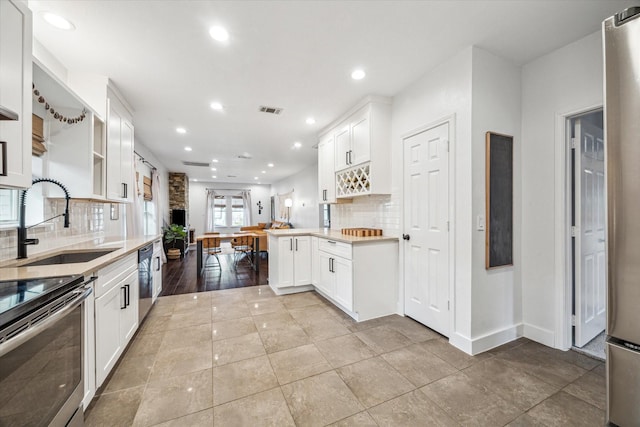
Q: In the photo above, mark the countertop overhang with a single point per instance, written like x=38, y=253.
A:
x=11, y=269
x=326, y=233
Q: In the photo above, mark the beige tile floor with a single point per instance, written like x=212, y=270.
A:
x=245, y=357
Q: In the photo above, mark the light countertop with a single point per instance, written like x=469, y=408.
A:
x=326, y=233
x=11, y=270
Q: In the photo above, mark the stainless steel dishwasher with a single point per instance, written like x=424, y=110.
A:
x=145, y=280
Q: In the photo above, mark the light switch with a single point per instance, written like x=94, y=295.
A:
x=480, y=222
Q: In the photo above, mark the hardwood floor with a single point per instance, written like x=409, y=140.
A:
x=179, y=276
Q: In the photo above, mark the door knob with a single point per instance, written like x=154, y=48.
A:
x=406, y=237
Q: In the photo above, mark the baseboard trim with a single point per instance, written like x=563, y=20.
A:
x=540, y=335
x=461, y=342
x=291, y=290
x=496, y=338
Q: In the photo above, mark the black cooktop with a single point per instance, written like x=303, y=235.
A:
x=20, y=297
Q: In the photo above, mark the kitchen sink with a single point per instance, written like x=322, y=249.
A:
x=70, y=257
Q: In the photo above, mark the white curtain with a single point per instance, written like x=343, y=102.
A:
x=158, y=201
x=210, y=211
x=135, y=210
x=246, y=205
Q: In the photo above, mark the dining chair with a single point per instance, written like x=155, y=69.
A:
x=211, y=246
x=241, y=245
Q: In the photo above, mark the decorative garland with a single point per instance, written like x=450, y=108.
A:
x=56, y=115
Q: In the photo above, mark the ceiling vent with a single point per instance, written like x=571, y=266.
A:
x=231, y=176
x=244, y=156
x=202, y=165
x=270, y=110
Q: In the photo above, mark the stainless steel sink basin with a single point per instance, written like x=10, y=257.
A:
x=70, y=257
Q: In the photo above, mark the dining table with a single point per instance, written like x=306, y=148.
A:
x=225, y=237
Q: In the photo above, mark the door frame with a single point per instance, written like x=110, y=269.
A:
x=450, y=120
x=563, y=253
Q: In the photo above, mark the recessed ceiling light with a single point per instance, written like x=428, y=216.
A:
x=188, y=148
x=297, y=145
x=213, y=176
x=264, y=171
x=181, y=130
x=216, y=106
x=270, y=165
x=195, y=179
x=358, y=75
x=219, y=33
x=215, y=160
x=311, y=121
x=58, y=21
x=255, y=177
x=214, y=169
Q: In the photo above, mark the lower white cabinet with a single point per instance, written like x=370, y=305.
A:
x=116, y=320
x=315, y=261
x=290, y=263
x=336, y=279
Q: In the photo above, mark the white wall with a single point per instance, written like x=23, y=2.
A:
x=198, y=202
x=561, y=83
x=305, y=211
x=496, y=294
x=443, y=92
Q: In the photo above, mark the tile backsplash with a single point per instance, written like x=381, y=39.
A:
x=87, y=221
x=368, y=211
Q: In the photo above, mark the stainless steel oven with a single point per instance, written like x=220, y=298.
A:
x=41, y=351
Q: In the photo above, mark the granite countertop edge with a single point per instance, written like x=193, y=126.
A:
x=11, y=269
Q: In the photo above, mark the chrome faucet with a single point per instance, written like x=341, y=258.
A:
x=23, y=242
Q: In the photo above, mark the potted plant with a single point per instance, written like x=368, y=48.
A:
x=173, y=234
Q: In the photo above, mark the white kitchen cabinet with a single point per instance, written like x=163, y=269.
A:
x=362, y=141
x=360, y=278
x=15, y=94
x=120, y=179
x=156, y=265
x=75, y=151
x=326, y=170
x=315, y=261
x=116, y=313
x=290, y=263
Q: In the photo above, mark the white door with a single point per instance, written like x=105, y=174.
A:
x=590, y=276
x=343, y=270
x=302, y=260
x=426, y=222
x=360, y=139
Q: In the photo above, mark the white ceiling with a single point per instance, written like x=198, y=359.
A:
x=297, y=55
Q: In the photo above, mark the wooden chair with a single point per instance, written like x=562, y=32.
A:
x=241, y=245
x=211, y=246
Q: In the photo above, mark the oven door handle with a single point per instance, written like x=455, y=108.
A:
x=13, y=343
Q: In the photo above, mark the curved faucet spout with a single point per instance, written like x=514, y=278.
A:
x=23, y=242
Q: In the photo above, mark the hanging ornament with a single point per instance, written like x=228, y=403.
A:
x=57, y=116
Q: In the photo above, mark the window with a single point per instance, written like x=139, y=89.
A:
x=220, y=211
x=237, y=212
x=326, y=215
x=228, y=211
x=8, y=206
x=149, y=218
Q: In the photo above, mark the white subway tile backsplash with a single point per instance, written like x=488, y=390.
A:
x=368, y=211
x=87, y=220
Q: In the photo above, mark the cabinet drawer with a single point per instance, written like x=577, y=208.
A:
x=113, y=274
x=333, y=247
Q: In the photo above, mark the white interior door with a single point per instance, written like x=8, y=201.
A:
x=426, y=220
x=590, y=279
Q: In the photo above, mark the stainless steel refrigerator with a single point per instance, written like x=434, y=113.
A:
x=621, y=35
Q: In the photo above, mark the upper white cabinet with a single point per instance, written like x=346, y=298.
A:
x=326, y=170
x=362, y=152
x=75, y=152
x=120, y=180
x=15, y=94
